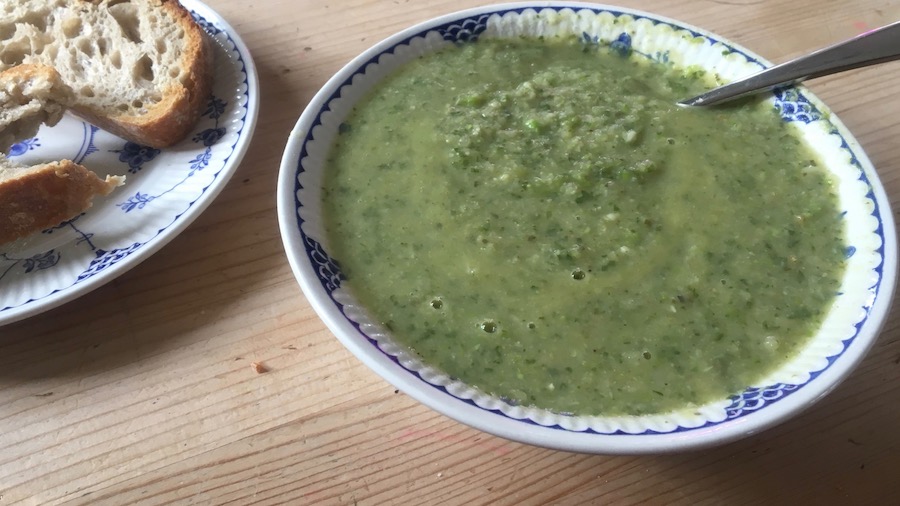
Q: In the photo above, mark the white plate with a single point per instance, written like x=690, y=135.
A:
x=165, y=190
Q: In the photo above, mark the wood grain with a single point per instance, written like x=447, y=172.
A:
x=142, y=392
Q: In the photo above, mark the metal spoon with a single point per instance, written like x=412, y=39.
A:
x=875, y=46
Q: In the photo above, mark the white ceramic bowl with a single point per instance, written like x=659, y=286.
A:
x=847, y=333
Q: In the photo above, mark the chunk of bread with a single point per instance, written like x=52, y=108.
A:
x=42, y=196
x=141, y=69
x=30, y=95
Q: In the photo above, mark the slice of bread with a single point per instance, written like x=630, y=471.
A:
x=141, y=69
x=42, y=196
x=30, y=95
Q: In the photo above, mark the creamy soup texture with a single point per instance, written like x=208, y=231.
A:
x=538, y=219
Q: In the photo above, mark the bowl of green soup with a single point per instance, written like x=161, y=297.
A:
x=504, y=214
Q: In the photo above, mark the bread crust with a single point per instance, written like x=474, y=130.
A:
x=171, y=119
x=44, y=196
x=23, y=110
x=26, y=71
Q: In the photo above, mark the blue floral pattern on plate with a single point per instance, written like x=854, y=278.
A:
x=136, y=155
x=793, y=106
x=168, y=188
x=20, y=148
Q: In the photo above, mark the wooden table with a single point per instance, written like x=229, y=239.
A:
x=142, y=392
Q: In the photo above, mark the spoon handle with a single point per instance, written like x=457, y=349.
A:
x=875, y=46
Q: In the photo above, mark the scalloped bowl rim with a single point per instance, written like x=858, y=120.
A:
x=440, y=399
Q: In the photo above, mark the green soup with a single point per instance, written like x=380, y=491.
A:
x=538, y=219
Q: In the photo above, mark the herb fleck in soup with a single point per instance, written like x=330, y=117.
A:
x=538, y=219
